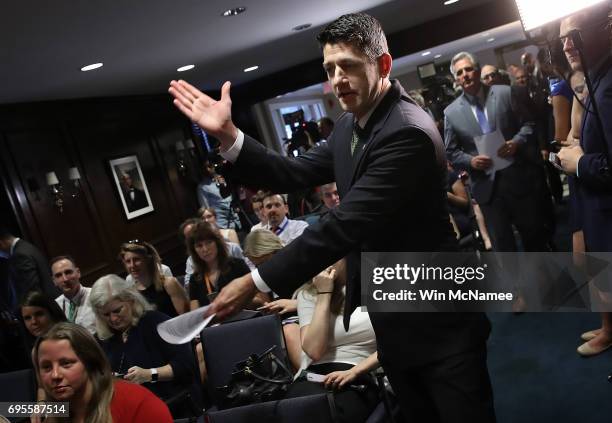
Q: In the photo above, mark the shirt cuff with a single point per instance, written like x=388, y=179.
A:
x=259, y=282
x=231, y=154
x=578, y=167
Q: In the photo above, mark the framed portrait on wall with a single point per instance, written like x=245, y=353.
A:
x=131, y=186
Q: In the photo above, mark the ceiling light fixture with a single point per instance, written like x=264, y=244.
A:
x=535, y=14
x=252, y=68
x=185, y=68
x=302, y=27
x=233, y=12
x=437, y=56
x=92, y=67
x=447, y=2
x=490, y=40
x=427, y=53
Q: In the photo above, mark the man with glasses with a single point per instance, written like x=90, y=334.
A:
x=490, y=76
x=511, y=196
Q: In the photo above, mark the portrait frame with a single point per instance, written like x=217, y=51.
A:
x=131, y=186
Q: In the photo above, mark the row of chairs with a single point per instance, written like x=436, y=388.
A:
x=225, y=345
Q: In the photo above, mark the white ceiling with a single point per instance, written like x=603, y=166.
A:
x=43, y=44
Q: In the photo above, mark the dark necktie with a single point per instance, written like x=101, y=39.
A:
x=482, y=118
x=358, y=138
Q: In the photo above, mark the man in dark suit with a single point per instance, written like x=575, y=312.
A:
x=27, y=267
x=135, y=199
x=590, y=161
x=514, y=195
x=387, y=159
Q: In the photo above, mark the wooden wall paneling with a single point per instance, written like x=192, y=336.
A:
x=36, y=152
x=104, y=261
x=100, y=141
x=13, y=215
x=184, y=186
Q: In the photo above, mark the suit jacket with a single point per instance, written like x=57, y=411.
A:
x=461, y=126
x=594, y=181
x=393, y=198
x=29, y=271
x=139, y=202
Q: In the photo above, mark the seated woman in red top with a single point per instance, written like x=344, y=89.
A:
x=71, y=367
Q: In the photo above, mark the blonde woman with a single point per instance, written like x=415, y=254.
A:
x=71, y=367
x=259, y=246
x=341, y=359
x=127, y=328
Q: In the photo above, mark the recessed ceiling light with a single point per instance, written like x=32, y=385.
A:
x=233, y=12
x=427, y=53
x=302, y=27
x=252, y=68
x=185, y=68
x=447, y=2
x=490, y=40
x=92, y=67
x=437, y=56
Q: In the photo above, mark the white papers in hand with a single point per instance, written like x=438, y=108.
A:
x=182, y=329
x=487, y=145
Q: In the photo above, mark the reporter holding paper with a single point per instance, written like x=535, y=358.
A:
x=343, y=358
x=127, y=328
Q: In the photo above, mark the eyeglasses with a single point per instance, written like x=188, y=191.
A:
x=491, y=75
x=135, y=242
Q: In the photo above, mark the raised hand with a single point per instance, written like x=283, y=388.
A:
x=213, y=116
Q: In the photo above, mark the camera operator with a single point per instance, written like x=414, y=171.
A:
x=214, y=192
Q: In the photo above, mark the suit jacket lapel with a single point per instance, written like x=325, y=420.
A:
x=376, y=122
x=342, y=153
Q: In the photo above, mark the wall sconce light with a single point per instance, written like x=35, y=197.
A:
x=75, y=177
x=56, y=191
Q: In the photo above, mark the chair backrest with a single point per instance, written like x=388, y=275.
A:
x=18, y=386
x=311, y=408
x=227, y=344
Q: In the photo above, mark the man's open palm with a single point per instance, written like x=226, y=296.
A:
x=213, y=116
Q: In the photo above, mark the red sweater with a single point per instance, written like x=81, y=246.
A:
x=133, y=403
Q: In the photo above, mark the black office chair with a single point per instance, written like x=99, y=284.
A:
x=229, y=343
x=313, y=408
x=18, y=386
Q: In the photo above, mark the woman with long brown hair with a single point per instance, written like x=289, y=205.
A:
x=71, y=367
x=213, y=267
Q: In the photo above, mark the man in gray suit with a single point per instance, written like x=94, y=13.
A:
x=515, y=195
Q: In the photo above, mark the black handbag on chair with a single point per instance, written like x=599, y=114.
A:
x=259, y=378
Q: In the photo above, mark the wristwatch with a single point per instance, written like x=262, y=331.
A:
x=154, y=375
